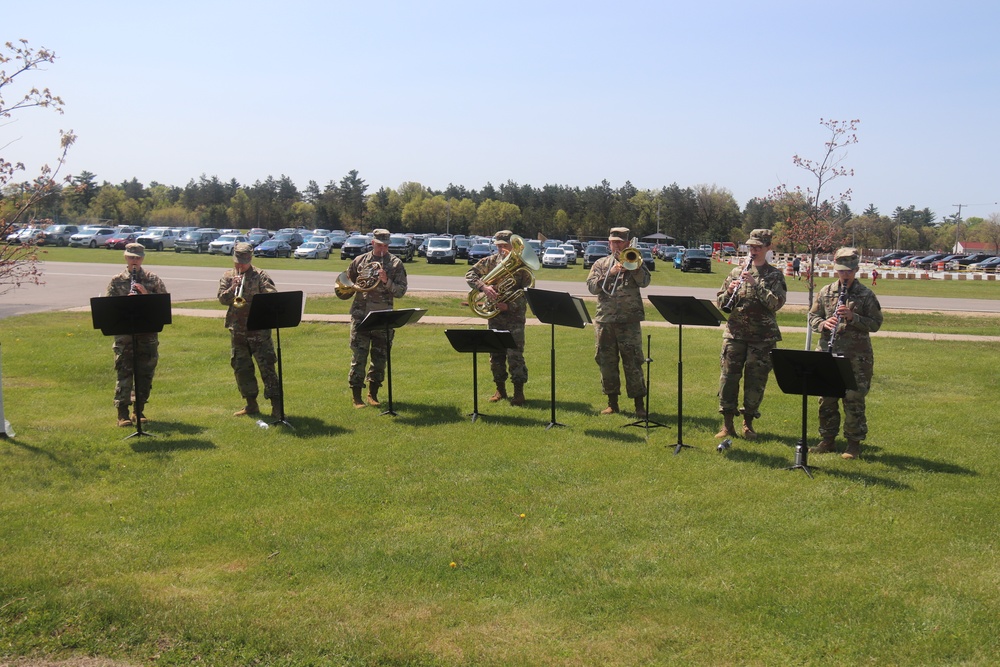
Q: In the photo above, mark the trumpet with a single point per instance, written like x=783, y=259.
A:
x=728, y=308
x=239, y=301
x=630, y=259
x=368, y=279
x=841, y=300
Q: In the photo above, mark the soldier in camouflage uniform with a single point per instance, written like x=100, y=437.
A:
x=391, y=285
x=146, y=354
x=859, y=314
x=247, y=346
x=510, y=318
x=751, y=333
x=617, y=328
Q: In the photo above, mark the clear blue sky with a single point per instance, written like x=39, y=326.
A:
x=568, y=93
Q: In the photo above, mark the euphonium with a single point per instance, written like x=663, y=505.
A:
x=630, y=259
x=503, y=279
x=239, y=301
x=368, y=279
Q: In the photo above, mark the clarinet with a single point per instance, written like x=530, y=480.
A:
x=841, y=300
x=133, y=282
x=728, y=308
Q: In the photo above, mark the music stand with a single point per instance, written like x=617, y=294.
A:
x=681, y=310
x=811, y=373
x=475, y=341
x=556, y=308
x=276, y=310
x=131, y=315
x=386, y=320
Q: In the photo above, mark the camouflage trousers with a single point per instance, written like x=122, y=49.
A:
x=748, y=361
x=855, y=420
x=247, y=347
x=620, y=339
x=361, y=343
x=142, y=360
x=512, y=358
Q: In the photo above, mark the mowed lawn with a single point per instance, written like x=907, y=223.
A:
x=428, y=539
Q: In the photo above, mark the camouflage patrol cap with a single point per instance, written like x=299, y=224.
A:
x=242, y=253
x=761, y=237
x=503, y=236
x=618, y=234
x=846, y=259
x=380, y=236
x=135, y=250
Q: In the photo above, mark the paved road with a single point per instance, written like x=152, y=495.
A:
x=70, y=285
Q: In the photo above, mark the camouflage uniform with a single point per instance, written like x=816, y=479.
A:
x=617, y=329
x=511, y=320
x=379, y=298
x=853, y=342
x=751, y=333
x=247, y=346
x=146, y=355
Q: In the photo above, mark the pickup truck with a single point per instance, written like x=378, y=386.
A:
x=158, y=239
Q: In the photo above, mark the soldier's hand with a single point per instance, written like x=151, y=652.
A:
x=503, y=306
x=490, y=292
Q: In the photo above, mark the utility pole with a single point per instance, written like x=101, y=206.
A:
x=958, y=223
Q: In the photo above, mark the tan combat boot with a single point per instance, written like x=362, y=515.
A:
x=640, y=408
x=123, y=418
x=853, y=450
x=824, y=446
x=612, y=405
x=501, y=393
x=138, y=415
x=728, y=430
x=518, y=397
x=373, y=394
x=356, y=397
x=748, y=432
x=251, y=408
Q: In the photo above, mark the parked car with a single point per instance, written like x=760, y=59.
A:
x=337, y=237
x=648, y=259
x=570, y=253
x=224, y=244
x=26, y=236
x=355, y=246
x=256, y=238
x=273, y=248
x=554, y=257
x=312, y=250
x=462, y=248
x=667, y=252
x=441, y=249
x=939, y=264
x=480, y=251
x=593, y=253
x=926, y=261
x=58, y=235
x=196, y=242
x=959, y=264
x=693, y=259
x=989, y=265
x=91, y=237
x=401, y=247
x=157, y=239
x=119, y=241
x=536, y=246
x=889, y=256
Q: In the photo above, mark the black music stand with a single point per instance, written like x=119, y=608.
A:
x=276, y=310
x=475, y=341
x=386, y=320
x=131, y=315
x=646, y=422
x=681, y=310
x=556, y=308
x=811, y=374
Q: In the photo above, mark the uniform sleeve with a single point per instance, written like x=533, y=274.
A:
x=224, y=295
x=817, y=314
x=596, y=276
x=474, y=276
x=868, y=317
x=641, y=276
x=772, y=291
x=397, y=279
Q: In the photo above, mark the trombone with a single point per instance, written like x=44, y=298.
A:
x=630, y=259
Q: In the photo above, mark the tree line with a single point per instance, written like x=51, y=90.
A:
x=698, y=214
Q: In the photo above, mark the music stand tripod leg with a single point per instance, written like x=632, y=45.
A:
x=281, y=386
x=802, y=448
x=552, y=380
x=388, y=370
x=646, y=423
x=135, y=384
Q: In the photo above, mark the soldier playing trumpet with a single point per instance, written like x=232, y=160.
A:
x=236, y=290
x=511, y=315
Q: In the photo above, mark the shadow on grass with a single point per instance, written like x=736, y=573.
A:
x=632, y=437
x=424, y=414
x=308, y=427
x=38, y=451
x=159, y=445
x=911, y=463
x=157, y=427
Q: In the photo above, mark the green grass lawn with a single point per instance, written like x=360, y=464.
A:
x=218, y=542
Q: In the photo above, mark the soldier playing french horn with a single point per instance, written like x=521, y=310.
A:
x=510, y=308
x=375, y=278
